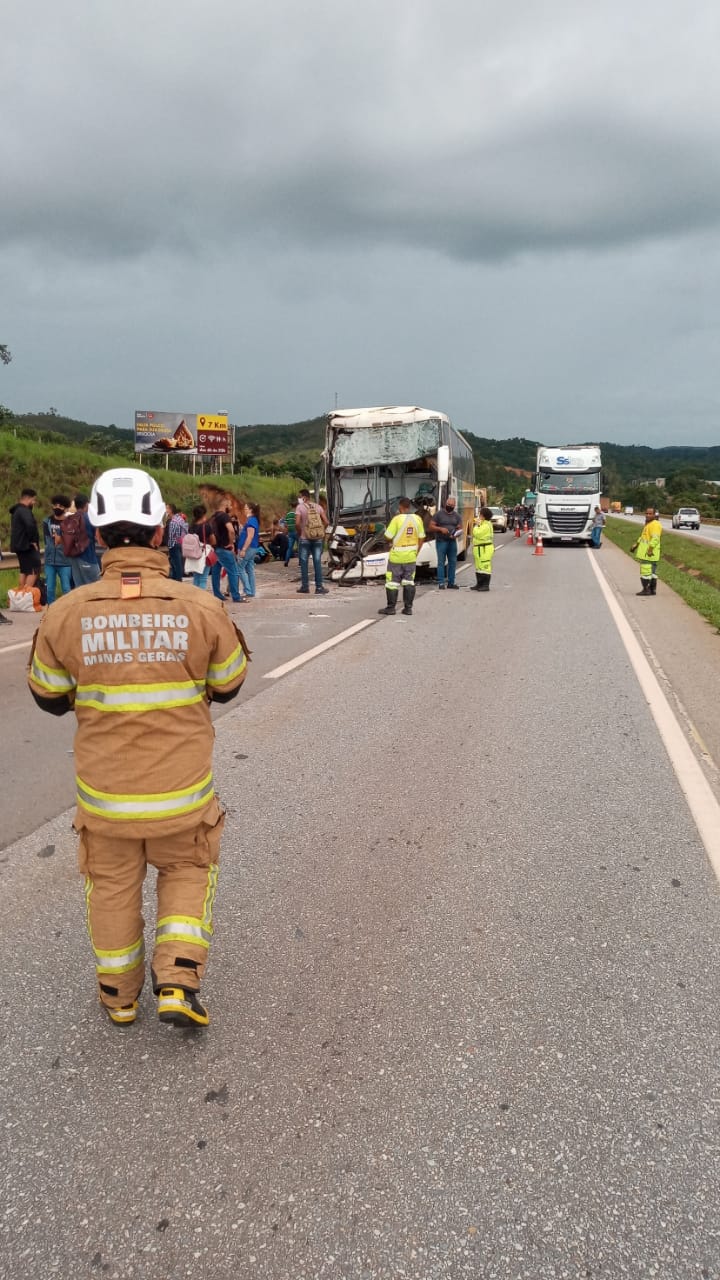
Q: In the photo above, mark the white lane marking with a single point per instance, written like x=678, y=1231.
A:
x=10, y=648
x=319, y=648
x=702, y=803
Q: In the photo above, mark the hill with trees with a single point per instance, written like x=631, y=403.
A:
x=275, y=457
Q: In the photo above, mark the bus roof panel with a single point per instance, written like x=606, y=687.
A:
x=381, y=416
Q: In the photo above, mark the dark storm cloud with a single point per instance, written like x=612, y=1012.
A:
x=480, y=136
x=506, y=209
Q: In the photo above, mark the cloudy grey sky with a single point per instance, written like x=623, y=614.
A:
x=504, y=209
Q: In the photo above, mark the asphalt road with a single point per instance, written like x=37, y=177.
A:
x=36, y=751
x=464, y=985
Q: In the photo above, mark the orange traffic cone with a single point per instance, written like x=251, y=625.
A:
x=517, y=530
x=539, y=549
x=525, y=526
x=529, y=539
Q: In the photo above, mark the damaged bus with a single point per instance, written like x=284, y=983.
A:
x=373, y=457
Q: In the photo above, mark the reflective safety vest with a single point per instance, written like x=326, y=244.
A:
x=483, y=546
x=648, y=547
x=138, y=657
x=406, y=532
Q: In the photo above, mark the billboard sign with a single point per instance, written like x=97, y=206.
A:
x=183, y=433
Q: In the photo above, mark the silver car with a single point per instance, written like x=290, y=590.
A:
x=498, y=519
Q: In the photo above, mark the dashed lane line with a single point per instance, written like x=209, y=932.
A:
x=11, y=648
x=309, y=654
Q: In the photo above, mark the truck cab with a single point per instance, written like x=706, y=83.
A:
x=567, y=484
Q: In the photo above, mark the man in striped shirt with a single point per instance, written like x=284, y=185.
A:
x=175, y=530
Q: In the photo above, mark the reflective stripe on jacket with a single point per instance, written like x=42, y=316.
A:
x=139, y=671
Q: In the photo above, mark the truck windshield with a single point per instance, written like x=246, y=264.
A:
x=387, y=443
x=569, y=482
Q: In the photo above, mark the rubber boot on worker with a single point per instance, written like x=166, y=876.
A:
x=478, y=582
x=644, y=588
x=408, y=597
x=391, y=597
x=181, y=1007
x=653, y=586
x=121, y=1015
x=485, y=584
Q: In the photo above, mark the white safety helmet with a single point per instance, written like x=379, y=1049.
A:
x=126, y=493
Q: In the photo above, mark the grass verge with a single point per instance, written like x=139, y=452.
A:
x=8, y=578
x=690, y=568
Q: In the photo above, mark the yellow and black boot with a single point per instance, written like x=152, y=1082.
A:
x=181, y=1007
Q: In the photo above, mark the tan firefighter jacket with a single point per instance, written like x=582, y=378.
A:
x=139, y=656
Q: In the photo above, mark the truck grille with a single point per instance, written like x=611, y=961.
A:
x=568, y=523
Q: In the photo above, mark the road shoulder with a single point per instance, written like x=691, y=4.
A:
x=683, y=650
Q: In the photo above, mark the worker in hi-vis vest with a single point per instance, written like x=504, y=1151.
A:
x=406, y=534
x=647, y=553
x=483, y=549
x=138, y=658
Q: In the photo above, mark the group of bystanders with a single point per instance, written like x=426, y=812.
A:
x=69, y=549
x=219, y=544
x=209, y=547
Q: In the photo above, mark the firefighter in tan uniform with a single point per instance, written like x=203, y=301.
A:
x=138, y=657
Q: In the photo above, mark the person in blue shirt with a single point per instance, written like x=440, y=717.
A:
x=248, y=547
x=57, y=564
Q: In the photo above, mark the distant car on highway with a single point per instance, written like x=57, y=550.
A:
x=688, y=516
x=499, y=519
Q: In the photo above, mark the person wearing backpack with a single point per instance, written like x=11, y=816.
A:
x=57, y=564
x=203, y=541
x=78, y=539
x=310, y=525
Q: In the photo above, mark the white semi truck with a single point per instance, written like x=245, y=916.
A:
x=568, y=483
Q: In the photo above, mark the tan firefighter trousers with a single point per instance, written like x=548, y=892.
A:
x=114, y=869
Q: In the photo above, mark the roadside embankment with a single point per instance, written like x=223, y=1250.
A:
x=691, y=568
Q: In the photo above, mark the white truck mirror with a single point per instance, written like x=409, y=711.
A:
x=443, y=463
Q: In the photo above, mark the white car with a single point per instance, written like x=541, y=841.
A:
x=499, y=519
x=688, y=516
